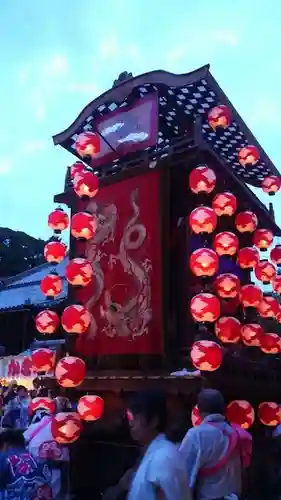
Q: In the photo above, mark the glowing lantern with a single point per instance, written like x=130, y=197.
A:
x=206, y=355
x=268, y=307
x=276, y=284
x=248, y=156
x=54, y=252
x=204, y=262
x=77, y=168
x=76, y=319
x=51, y=285
x=42, y=403
x=66, y=427
x=251, y=334
x=70, y=371
x=195, y=416
x=202, y=179
x=79, y=272
x=224, y=204
x=275, y=255
x=227, y=285
x=248, y=258
x=269, y=413
x=88, y=144
x=226, y=243
x=271, y=343
x=228, y=329
x=43, y=360
x=47, y=321
x=86, y=184
x=263, y=238
x=265, y=271
x=219, y=117
x=90, y=408
x=58, y=220
x=250, y=295
x=203, y=220
x=205, y=307
x=83, y=226
x=240, y=412
x=271, y=184
x=246, y=222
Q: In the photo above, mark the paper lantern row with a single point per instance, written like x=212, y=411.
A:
x=78, y=272
x=241, y=412
x=70, y=371
x=75, y=319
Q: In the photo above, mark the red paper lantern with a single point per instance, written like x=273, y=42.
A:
x=66, y=427
x=77, y=168
x=268, y=307
x=195, y=416
x=83, y=226
x=250, y=295
x=43, y=360
x=265, y=271
x=271, y=343
x=206, y=355
x=227, y=285
x=55, y=252
x=51, y=285
x=47, y=321
x=228, y=329
x=278, y=316
x=204, y=262
x=219, y=117
x=248, y=258
x=58, y=220
x=263, y=238
x=275, y=255
x=79, y=272
x=246, y=222
x=202, y=179
x=76, y=319
x=86, y=184
x=205, y=307
x=248, y=156
x=42, y=403
x=241, y=413
x=276, y=284
x=88, y=144
x=90, y=408
x=203, y=220
x=70, y=371
x=224, y=204
x=269, y=413
x=251, y=334
x=271, y=184
x=226, y=243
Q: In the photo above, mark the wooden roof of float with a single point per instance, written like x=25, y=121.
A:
x=181, y=98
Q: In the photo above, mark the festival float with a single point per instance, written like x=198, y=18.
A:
x=170, y=250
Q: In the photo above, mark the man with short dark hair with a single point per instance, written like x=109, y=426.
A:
x=211, y=452
x=21, y=477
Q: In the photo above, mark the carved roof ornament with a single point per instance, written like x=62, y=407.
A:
x=123, y=77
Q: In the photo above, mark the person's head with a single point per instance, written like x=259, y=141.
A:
x=22, y=392
x=210, y=402
x=11, y=438
x=147, y=415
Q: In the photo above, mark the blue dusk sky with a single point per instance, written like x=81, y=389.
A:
x=57, y=55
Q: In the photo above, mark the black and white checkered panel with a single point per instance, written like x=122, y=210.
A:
x=178, y=107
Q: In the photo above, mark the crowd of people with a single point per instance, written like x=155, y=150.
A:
x=210, y=463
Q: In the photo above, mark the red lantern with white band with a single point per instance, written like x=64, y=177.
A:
x=47, y=322
x=70, y=371
x=86, y=184
x=58, y=220
x=83, y=226
x=224, y=204
x=55, y=252
x=251, y=334
x=90, y=408
x=271, y=184
x=248, y=258
x=263, y=238
x=248, y=156
x=265, y=272
x=43, y=360
x=227, y=285
x=205, y=307
x=246, y=222
x=219, y=117
x=271, y=343
x=76, y=319
x=228, y=329
x=204, y=262
x=79, y=272
x=77, y=168
x=276, y=284
x=66, y=427
x=203, y=220
x=250, y=295
x=88, y=144
x=206, y=355
x=51, y=285
x=42, y=403
x=226, y=243
x=275, y=255
x=202, y=180
x=241, y=413
x=268, y=307
x=269, y=413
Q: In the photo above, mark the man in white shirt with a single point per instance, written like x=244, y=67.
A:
x=161, y=473
x=213, y=468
